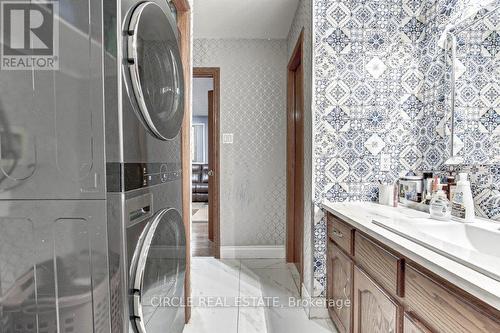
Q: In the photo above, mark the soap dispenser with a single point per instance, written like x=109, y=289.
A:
x=440, y=206
x=462, y=204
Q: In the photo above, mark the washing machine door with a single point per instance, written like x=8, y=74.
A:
x=155, y=69
x=158, y=282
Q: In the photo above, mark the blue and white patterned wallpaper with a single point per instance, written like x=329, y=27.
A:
x=379, y=95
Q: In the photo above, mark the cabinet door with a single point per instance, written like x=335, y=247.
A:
x=412, y=325
x=374, y=310
x=340, y=287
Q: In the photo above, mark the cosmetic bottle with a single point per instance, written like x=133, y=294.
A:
x=462, y=205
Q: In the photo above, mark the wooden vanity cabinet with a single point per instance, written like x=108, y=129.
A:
x=392, y=294
x=339, y=287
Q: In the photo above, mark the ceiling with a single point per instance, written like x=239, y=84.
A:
x=260, y=19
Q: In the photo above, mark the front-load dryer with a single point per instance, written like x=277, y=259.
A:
x=144, y=83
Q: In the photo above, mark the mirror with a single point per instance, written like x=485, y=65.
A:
x=473, y=78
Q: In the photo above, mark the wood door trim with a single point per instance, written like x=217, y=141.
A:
x=294, y=62
x=214, y=73
x=184, y=26
x=211, y=144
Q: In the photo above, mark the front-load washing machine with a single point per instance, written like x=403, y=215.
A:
x=150, y=239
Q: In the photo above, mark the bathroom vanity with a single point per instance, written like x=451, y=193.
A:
x=397, y=283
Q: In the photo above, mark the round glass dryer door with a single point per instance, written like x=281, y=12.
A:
x=156, y=70
x=158, y=282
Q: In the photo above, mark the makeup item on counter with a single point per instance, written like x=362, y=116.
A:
x=411, y=189
x=452, y=186
x=462, y=205
x=395, y=190
x=386, y=194
x=440, y=206
x=435, y=184
x=428, y=191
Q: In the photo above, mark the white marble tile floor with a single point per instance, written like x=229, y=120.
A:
x=248, y=296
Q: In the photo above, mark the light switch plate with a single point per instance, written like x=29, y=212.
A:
x=385, y=162
x=227, y=138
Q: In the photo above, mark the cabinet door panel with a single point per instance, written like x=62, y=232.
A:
x=340, y=287
x=411, y=325
x=374, y=310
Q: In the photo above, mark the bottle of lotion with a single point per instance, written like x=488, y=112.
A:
x=440, y=206
x=462, y=205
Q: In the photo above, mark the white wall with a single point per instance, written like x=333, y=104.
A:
x=201, y=87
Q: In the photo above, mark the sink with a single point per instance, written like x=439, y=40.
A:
x=474, y=245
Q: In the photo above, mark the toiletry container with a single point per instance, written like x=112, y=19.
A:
x=462, y=205
x=386, y=194
x=440, y=206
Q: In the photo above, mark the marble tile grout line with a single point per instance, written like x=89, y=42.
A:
x=239, y=295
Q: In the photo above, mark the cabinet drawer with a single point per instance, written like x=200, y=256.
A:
x=441, y=309
x=341, y=233
x=385, y=267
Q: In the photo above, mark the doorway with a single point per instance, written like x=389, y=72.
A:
x=205, y=163
x=295, y=157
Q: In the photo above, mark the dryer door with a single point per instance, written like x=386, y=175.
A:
x=155, y=70
x=158, y=282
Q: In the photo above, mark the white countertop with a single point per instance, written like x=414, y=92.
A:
x=361, y=214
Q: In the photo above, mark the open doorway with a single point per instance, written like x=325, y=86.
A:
x=295, y=158
x=205, y=240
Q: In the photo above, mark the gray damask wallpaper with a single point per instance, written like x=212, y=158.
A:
x=378, y=98
x=253, y=97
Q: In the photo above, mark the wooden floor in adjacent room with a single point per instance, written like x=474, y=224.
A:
x=201, y=246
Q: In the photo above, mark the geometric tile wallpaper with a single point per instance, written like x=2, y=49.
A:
x=379, y=94
x=252, y=108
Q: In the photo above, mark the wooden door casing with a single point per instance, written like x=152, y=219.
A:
x=211, y=164
x=295, y=158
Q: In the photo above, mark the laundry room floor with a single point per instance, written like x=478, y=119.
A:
x=248, y=296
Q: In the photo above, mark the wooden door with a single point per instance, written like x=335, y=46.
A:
x=339, y=287
x=211, y=165
x=374, y=310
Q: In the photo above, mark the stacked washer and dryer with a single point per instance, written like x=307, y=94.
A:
x=91, y=232
x=143, y=71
